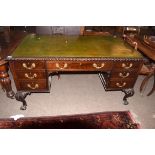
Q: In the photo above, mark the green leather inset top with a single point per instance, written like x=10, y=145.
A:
x=74, y=46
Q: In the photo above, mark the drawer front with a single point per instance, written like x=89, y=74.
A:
x=123, y=74
x=38, y=85
x=29, y=65
x=121, y=84
x=127, y=65
x=30, y=75
x=81, y=66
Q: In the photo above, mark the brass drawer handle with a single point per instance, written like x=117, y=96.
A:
x=30, y=77
x=124, y=75
x=58, y=66
x=121, y=85
x=35, y=87
x=98, y=67
x=33, y=65
x=127, y=67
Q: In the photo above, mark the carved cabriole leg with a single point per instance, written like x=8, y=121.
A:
x=5, y=80
x=20, y=96
x=128, y=93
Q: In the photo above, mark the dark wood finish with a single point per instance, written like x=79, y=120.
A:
x=79, y=65
x=116, y=83
x=33, y=85
x=126, y=65
x=120, y=84
x=127, y=88
x=29, y=65
x=5, y=80
x=31, y=74
x=27, y=75
x=123, y=74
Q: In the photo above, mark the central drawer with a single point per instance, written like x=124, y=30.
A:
x=79, y=65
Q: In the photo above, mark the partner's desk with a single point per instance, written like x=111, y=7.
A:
x=37, y=57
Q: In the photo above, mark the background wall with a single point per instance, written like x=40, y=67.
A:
x=67, y=30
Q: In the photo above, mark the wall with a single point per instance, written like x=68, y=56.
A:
x=67, y=30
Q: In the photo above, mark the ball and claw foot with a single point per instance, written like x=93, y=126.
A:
x=128, y=93
x=125, y=102
x=20, y=96
x=23, y=107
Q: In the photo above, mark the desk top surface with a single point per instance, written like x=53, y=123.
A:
x=73, y=46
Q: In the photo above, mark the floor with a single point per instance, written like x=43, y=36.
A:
x=80, y=94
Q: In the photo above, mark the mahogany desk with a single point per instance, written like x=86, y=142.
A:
x=36, y=57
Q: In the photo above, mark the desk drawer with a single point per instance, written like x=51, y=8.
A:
x=124, y=74
x=31, y=75
x=120, y=84
x=29, y=65
x=81, y=66
x=39, y=85
x=127, y=65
